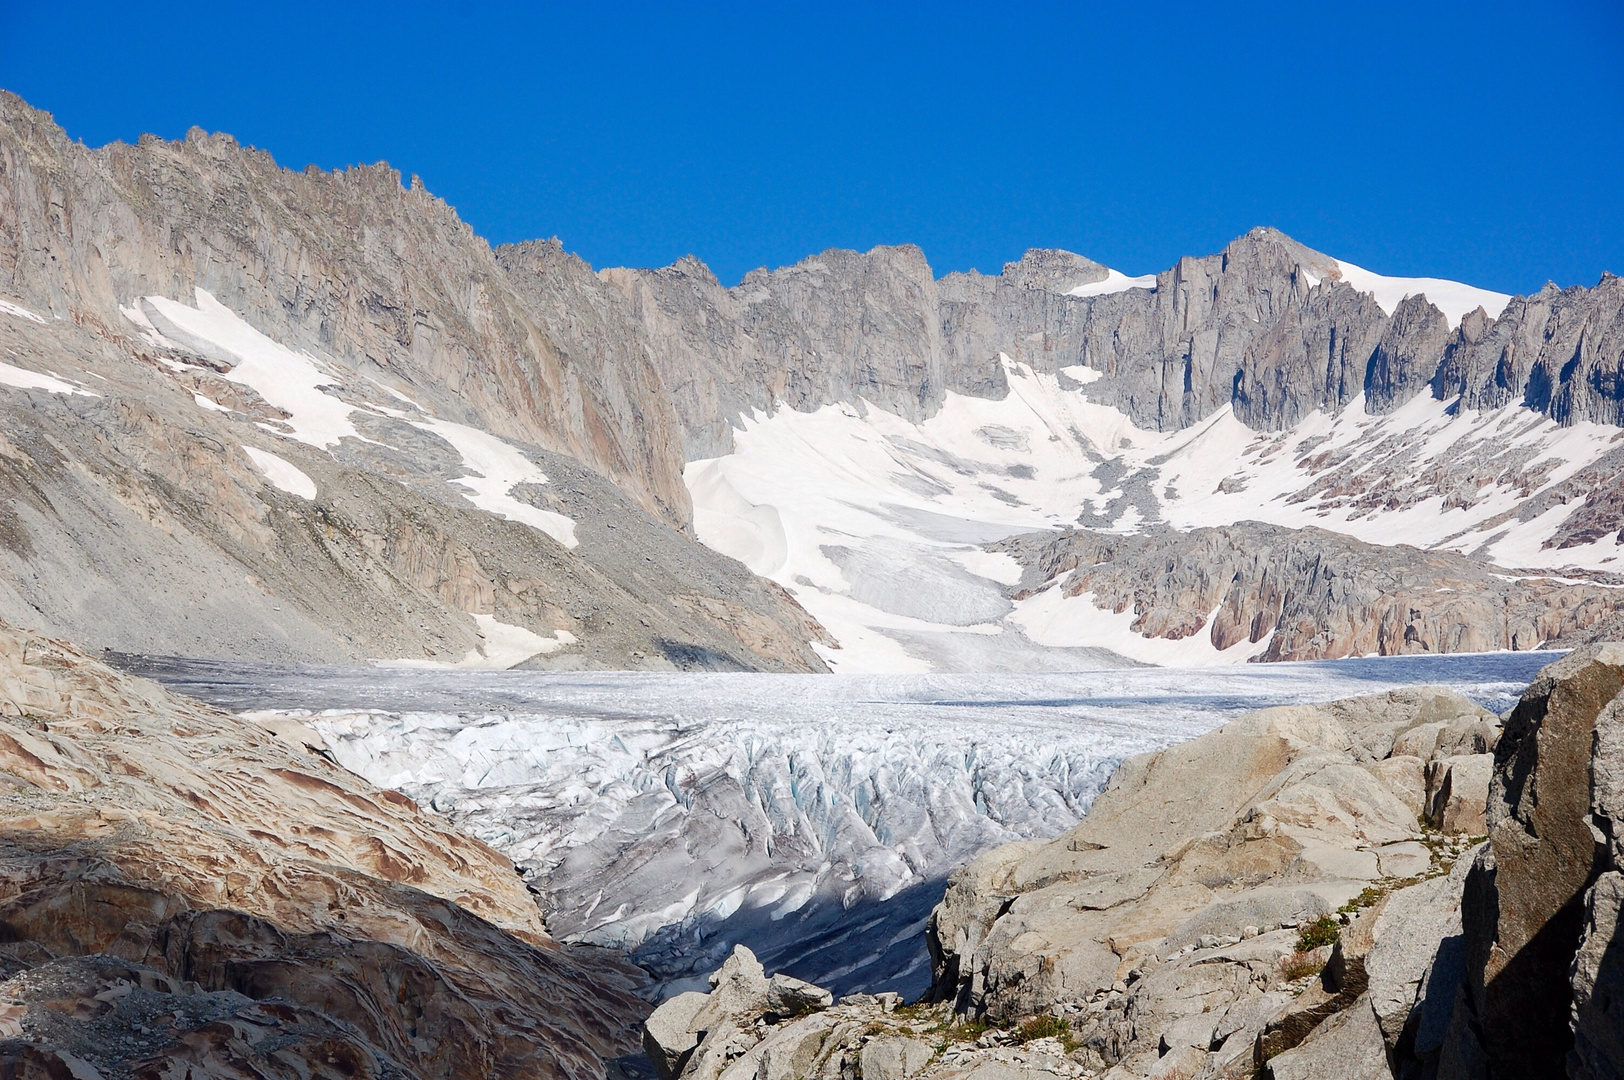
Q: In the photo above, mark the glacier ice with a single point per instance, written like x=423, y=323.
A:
x=814, y=818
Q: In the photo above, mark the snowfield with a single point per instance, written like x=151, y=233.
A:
x=320, y=416
x=876, y=524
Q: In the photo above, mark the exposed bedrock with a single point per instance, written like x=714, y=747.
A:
x=1312, y=594
x=1560, y=351
x=1267, y=325
x=137, y=520
x=383, y=278
x=184, y=889
x=1540, y=908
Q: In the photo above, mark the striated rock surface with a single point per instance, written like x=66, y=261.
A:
x=183, y=889
x=1558, y=352
x=839, y=326
x=1312, y=594
x=380, y=276
x=363, y=438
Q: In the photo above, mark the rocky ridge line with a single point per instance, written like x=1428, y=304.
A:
x=1310, y=594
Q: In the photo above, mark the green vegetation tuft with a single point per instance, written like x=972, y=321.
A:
x=1322, y=931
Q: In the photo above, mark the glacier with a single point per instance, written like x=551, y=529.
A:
x=813, y=818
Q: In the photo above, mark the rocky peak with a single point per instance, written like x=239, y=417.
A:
x=1052, y=269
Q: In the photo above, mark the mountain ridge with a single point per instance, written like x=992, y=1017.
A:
x=465, y=379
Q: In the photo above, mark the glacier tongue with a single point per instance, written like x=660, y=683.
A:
x=814, y=818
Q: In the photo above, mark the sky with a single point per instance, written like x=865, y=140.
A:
x=1482, y=142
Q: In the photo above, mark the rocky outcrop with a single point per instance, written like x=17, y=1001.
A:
x=1407, y=356
x=1312, y=594
x=1558, y=352
x=136, y=510
x=1539, y=905
x=1273, y=820
x=183, y=889
x=1258, y=901
x=836, y=327
x=1317, y=356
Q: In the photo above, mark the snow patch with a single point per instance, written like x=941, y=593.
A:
x=1115, y=282
x=297, y=384
x=1452, y=298
x=8, y=308
x=24, y=379
x=283, y=475
x=502, y=646
x=497, y=467
x=291, y=381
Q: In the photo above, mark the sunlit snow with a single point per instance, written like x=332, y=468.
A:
x=1115, y=282
x=282, y=474
x=24, y=379
x=304, y=388
x=1452, y=298
x=877, y=525
x=17, y=310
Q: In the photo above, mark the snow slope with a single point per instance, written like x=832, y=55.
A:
x=1115, y=281
x=876, y=524
x=1452, y=298
x=320, y=411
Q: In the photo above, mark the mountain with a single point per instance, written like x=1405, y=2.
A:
x=259, y=413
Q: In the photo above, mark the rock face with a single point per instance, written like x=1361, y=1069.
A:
x=1557, y=351
x=354, y=448
x=1272, y=820
x=835, y=327
x=1540, y=908
x=184, y=889
x=384, y=278
x=1313, y=594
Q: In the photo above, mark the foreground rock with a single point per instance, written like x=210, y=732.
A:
x=182, y=889
x=1541, y=906
x=1226, y=899
x=1263, y=901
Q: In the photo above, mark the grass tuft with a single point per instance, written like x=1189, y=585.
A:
x=1298, y=965
x=1322, y=931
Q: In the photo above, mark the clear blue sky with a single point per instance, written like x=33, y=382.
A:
x=1481, y=141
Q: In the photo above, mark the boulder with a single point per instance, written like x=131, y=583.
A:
x=701, y=1036
x=1458, y=793
x=1347, y=1046
x=893, y=1057
x=1523, y=905
x=1408, y=949
x=1598, y=985
x=670, y=1034
x=787, y=996
x=1597, y=974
